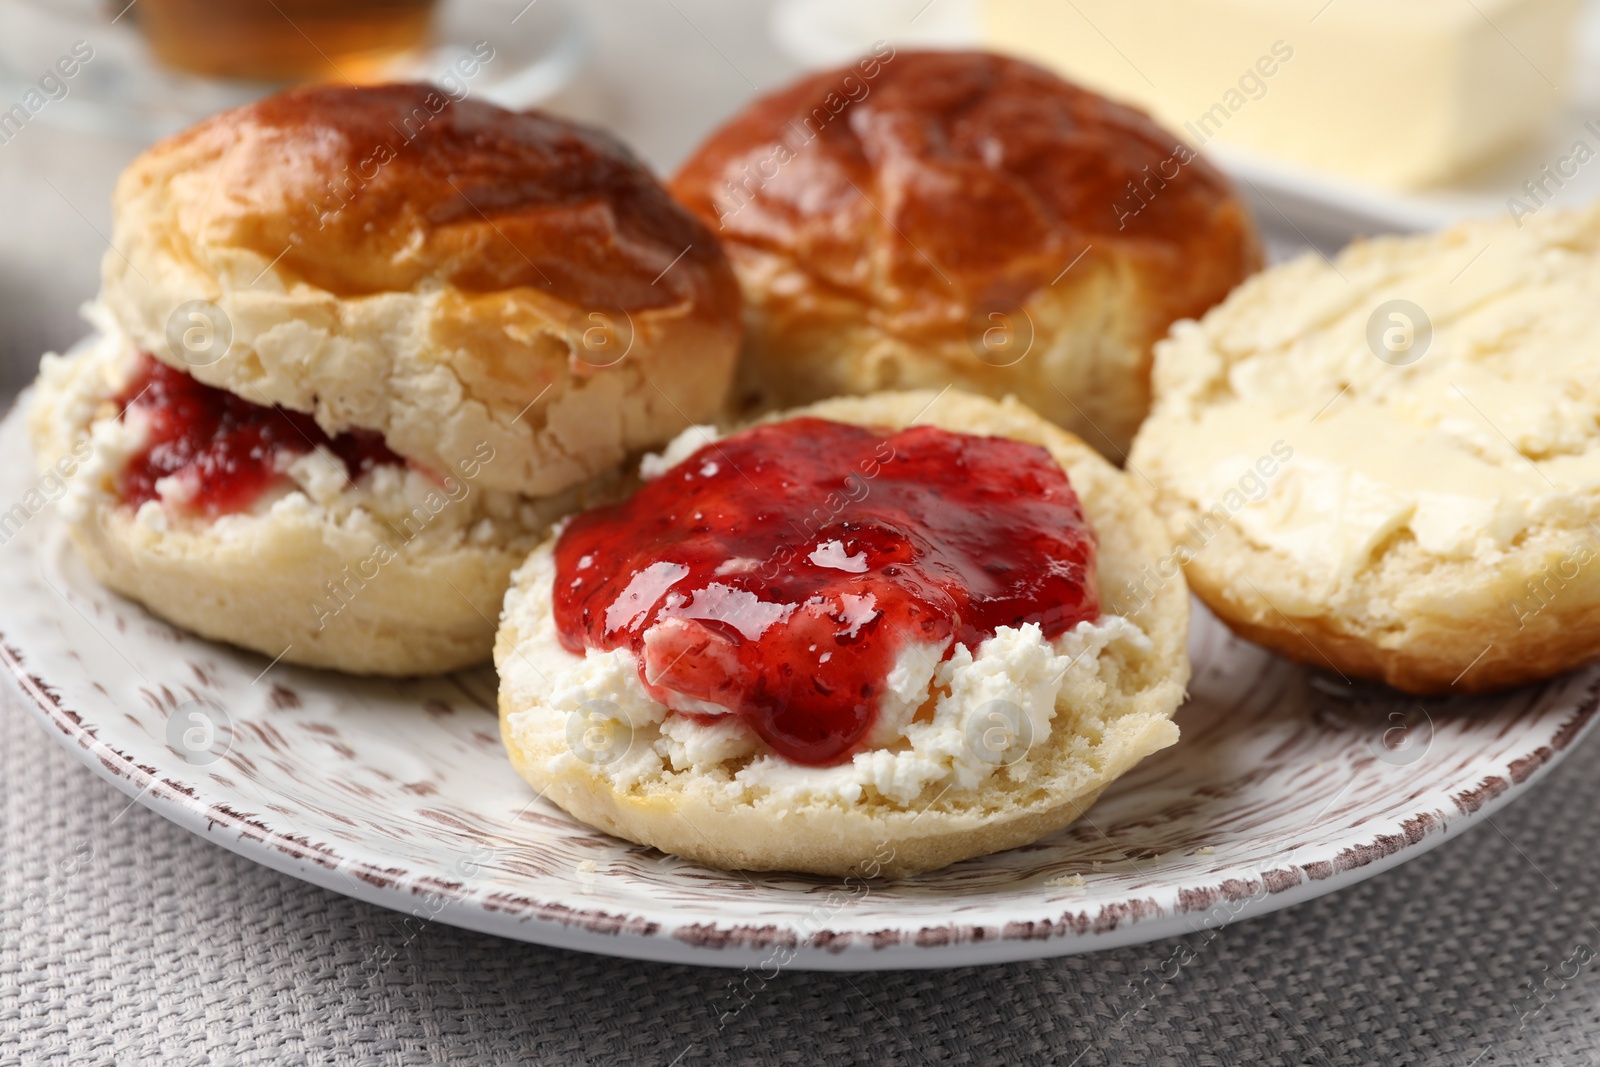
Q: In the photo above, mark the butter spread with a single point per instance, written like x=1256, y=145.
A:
x=1492, y=430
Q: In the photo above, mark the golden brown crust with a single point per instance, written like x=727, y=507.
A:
x=391, y=259
x=380, y=188
x=834, y=844
x=1468, y=641
x=263, y=589
x=897, y=203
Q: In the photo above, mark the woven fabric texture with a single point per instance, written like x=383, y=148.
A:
x=127, y=940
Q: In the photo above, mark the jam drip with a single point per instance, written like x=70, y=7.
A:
x=226, y=449
x=779, y=573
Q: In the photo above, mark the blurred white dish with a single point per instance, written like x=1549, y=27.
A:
x=538, y=47
x=826, y=33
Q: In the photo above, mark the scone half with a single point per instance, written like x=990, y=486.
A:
x=931, y=787
x=1388, y=465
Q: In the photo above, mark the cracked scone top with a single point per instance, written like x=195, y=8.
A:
x=923, y=218
x=1390, y=464
x=437, y=271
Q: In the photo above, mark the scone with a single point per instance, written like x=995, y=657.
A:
x=357, y=348
x=863, y=637
x=923, y=219
x=1389, y=465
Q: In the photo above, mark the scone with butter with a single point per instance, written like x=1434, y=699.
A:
x=1389, y=465
x=357, y=348
x=862, y=637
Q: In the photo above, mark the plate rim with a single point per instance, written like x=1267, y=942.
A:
x=742, y=945
x=1130, y=918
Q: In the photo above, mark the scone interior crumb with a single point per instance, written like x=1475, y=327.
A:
x=401, y=504
x=397, y=572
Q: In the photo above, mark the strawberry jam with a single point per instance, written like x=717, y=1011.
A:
x=226, y=450
x=779, y=573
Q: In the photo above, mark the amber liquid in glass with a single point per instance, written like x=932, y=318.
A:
x=284, y=40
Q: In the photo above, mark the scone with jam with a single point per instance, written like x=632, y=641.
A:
x=863, y=637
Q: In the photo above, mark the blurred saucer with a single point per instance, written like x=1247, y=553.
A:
x=538, y=48
x=827, y=33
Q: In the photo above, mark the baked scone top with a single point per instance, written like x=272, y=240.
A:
x=928, y=185
x=381, y=189
x=434, y=269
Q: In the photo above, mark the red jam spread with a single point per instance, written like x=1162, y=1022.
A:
x=222, y=444
x=779, y=573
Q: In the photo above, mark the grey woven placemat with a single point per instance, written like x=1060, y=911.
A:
x=125, y=939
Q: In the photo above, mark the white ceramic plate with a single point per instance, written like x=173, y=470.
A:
x=1284, y=787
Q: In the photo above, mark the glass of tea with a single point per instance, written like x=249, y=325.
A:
x=284, y=40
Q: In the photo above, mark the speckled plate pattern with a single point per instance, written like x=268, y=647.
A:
x=1286, y=785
